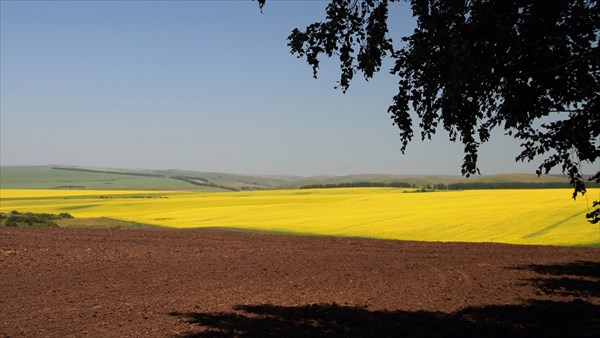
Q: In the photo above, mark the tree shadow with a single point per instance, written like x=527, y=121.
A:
x=577, y=268
x=547, y=318
x=578, y=279
x=536, y=319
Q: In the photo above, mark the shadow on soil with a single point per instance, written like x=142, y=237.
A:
x=579, y=279
x=576, y=318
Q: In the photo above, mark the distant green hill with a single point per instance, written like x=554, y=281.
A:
x=72, y=177
x=45, y=177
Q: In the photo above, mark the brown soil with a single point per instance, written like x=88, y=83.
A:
x=208, y=283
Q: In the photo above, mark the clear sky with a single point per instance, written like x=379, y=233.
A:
x=199, y=85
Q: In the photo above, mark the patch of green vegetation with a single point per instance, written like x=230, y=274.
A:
x=421, y=189
x=63, y=220
x=18, y=219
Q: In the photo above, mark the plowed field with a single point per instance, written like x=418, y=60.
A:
x=207, y=283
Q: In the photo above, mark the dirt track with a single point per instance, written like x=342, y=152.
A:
x=160, y=283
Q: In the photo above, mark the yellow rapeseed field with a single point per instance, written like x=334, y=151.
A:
x=547, y=216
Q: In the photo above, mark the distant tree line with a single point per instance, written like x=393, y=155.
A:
x=449, y=186
x=358, y=185
x=109, y=172
x=202, y=182
x=505, y=185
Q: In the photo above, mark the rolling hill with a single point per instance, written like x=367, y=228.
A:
x=76, y=177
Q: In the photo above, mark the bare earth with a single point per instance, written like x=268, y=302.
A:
x=208, y=283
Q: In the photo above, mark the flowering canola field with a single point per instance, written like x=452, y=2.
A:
x=547, y=216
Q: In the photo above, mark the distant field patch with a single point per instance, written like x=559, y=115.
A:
x=546, y=216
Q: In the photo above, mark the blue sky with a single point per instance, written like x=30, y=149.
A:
x=199, y=85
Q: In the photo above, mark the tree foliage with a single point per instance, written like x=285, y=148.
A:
x=529, y=67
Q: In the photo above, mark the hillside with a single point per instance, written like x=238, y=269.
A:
x=73, y=177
